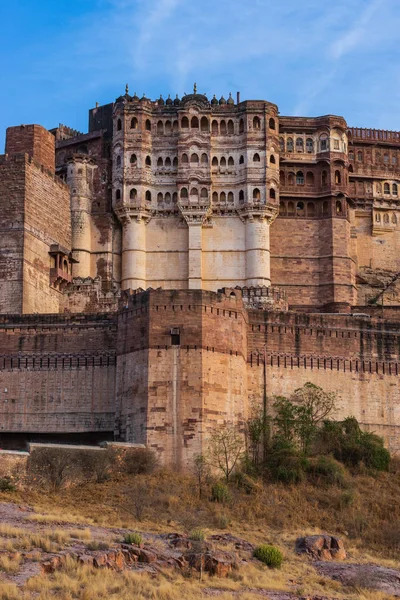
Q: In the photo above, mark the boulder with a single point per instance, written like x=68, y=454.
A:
x=321, y=547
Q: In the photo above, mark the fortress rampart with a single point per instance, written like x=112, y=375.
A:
x=169, y=366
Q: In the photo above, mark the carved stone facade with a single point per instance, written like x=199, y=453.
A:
x=239, y=221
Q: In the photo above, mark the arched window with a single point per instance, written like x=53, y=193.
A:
x=214, y=127
x=394, y=219
x=241, y=159
x=194, y=158
x=241, y=126
x=194, y=123
x=351, y=170
x=148, y=196
x=167, y=162
x=204, y=124
x=231, y=162
x=204, y=159
x=272, y=123
x=133, y=159
x=309, y=145
x=241, y=196
x=386, y=159
x=359, y=156
x=118, y=195
x=83, y=149
x=281, y=144
x=175, y=197
x=214, y=161
x=290, y=210
x=194, y=192
x=256, y=194
x=300, y=209
x=291, y=178
x=215, y=197
x=282, y=177
x=159, y=198
x=386, y=218
x=230, y=197
x=184, y=193
x=134, y=123
x=222, y=162
x=148, y=125
x=289, y=145
x=118, y=161
x=222, y=127
x=222, y=197
x=133, y=194
x=175, y=161
x=378, y=158
x=351, y=155
x=325, y=209
x=185, y=123
x=282, y=208
x=386, y=188
x=185, y=158
x=231, y=128
x=204, y=193
x=310, y=178
x=119, y=125
x=168, y=127
x=160, y=128
x=299, y=178
x=148, y=161
x=323, y=141
x=256, y=123
x=324, y=178
x=272, y=193
x=299, y=145
x=256, y=157
x=310, y=209
x=159, y=162
x=338, y=207
x=394, y=189
x=167, y=198
x=338, y=178
x=175, y=129
x=272, y=160
x=394, y=159
x=378, y=218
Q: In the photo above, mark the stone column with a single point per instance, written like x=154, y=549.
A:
x=134, y=253
x=257, y=251
x=79, y=178
x=195, y=256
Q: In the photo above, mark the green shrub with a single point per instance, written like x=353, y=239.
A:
x=6, y=485
x=96, y=545
x=133, y=538
x=197, y=535
x=220, y=493
x=328, y=469
x=269, y=555
x=375, y=454
x=285, y=464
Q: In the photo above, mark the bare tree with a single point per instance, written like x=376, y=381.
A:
x=201, y=471
x=226, y=446
x=313, y=399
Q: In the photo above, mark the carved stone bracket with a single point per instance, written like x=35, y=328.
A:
x=254, y=212
x=127, y=213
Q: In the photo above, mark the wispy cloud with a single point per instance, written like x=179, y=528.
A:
x=356, y=33
x=310, y=57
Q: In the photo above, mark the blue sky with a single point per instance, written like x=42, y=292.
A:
x=311, y=57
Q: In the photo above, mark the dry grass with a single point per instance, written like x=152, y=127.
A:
x=10, y=564
x=363, y=514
